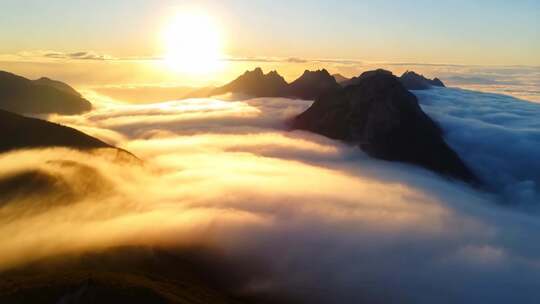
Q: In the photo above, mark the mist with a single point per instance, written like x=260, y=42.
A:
x=327, y=223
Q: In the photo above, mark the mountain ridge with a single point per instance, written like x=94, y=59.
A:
x=20, y=132
x=384, y=119
x=308, y=86
x=42, y=96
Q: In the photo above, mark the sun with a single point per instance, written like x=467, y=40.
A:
x=192, y=43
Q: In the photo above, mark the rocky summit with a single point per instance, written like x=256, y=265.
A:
x=312, y=84
x=414, y=81
x=255, y=83
x=384, y=119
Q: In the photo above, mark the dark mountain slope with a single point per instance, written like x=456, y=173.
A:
x=340, y=78
x=384, y=119
x=64, y=87
x=312, y=84
x=414, y=81
x=409, y=79
x=119, y=275
x=255, y=83
x=18, y=132
x=21, y=95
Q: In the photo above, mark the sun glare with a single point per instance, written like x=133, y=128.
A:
x=192, y=43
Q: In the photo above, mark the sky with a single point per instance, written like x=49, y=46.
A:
x=465, y=32
x=120, y=48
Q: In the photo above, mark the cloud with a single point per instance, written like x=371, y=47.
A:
x=78, y=55
x=498, y=137
x=253, y=59
x=478, y=80
x=296, y=60
x=326, y=223
x=84, y=55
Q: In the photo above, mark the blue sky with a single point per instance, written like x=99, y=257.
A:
x=470, y=32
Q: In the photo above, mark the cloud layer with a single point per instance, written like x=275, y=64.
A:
x=498, y=137
x=326, y=223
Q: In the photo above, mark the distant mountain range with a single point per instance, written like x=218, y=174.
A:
x=257, y=84
x=41, y=96
x=374, y=110
x=309, y=86
x=409, y=79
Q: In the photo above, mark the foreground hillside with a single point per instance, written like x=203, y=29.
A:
x=122, y=275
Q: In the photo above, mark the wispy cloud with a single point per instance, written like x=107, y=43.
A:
x=86, y=55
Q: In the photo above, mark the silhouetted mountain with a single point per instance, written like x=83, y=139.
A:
x=312, y=84
x=256, y=83
x=356, y=80
x=385, y=120
x=411, y=80
x=340, y=78
x=414, y=81
x=56, y=84
x=17, y=132
x=21, y=95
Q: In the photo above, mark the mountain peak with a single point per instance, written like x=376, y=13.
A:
x=366, y=74
x=312, y=84
x=256, y=83
x=318, y=73
x=258, y=71
x=414, y=81
x=385, y=120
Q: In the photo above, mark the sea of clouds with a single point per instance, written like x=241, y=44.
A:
x=322, y=222
x=498, y=136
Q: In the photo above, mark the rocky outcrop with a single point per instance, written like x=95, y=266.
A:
x=24, y=96
x=312, y=84
x=414, y=81
x=384, y=119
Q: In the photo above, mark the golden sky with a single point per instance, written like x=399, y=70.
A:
x=186, y=44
